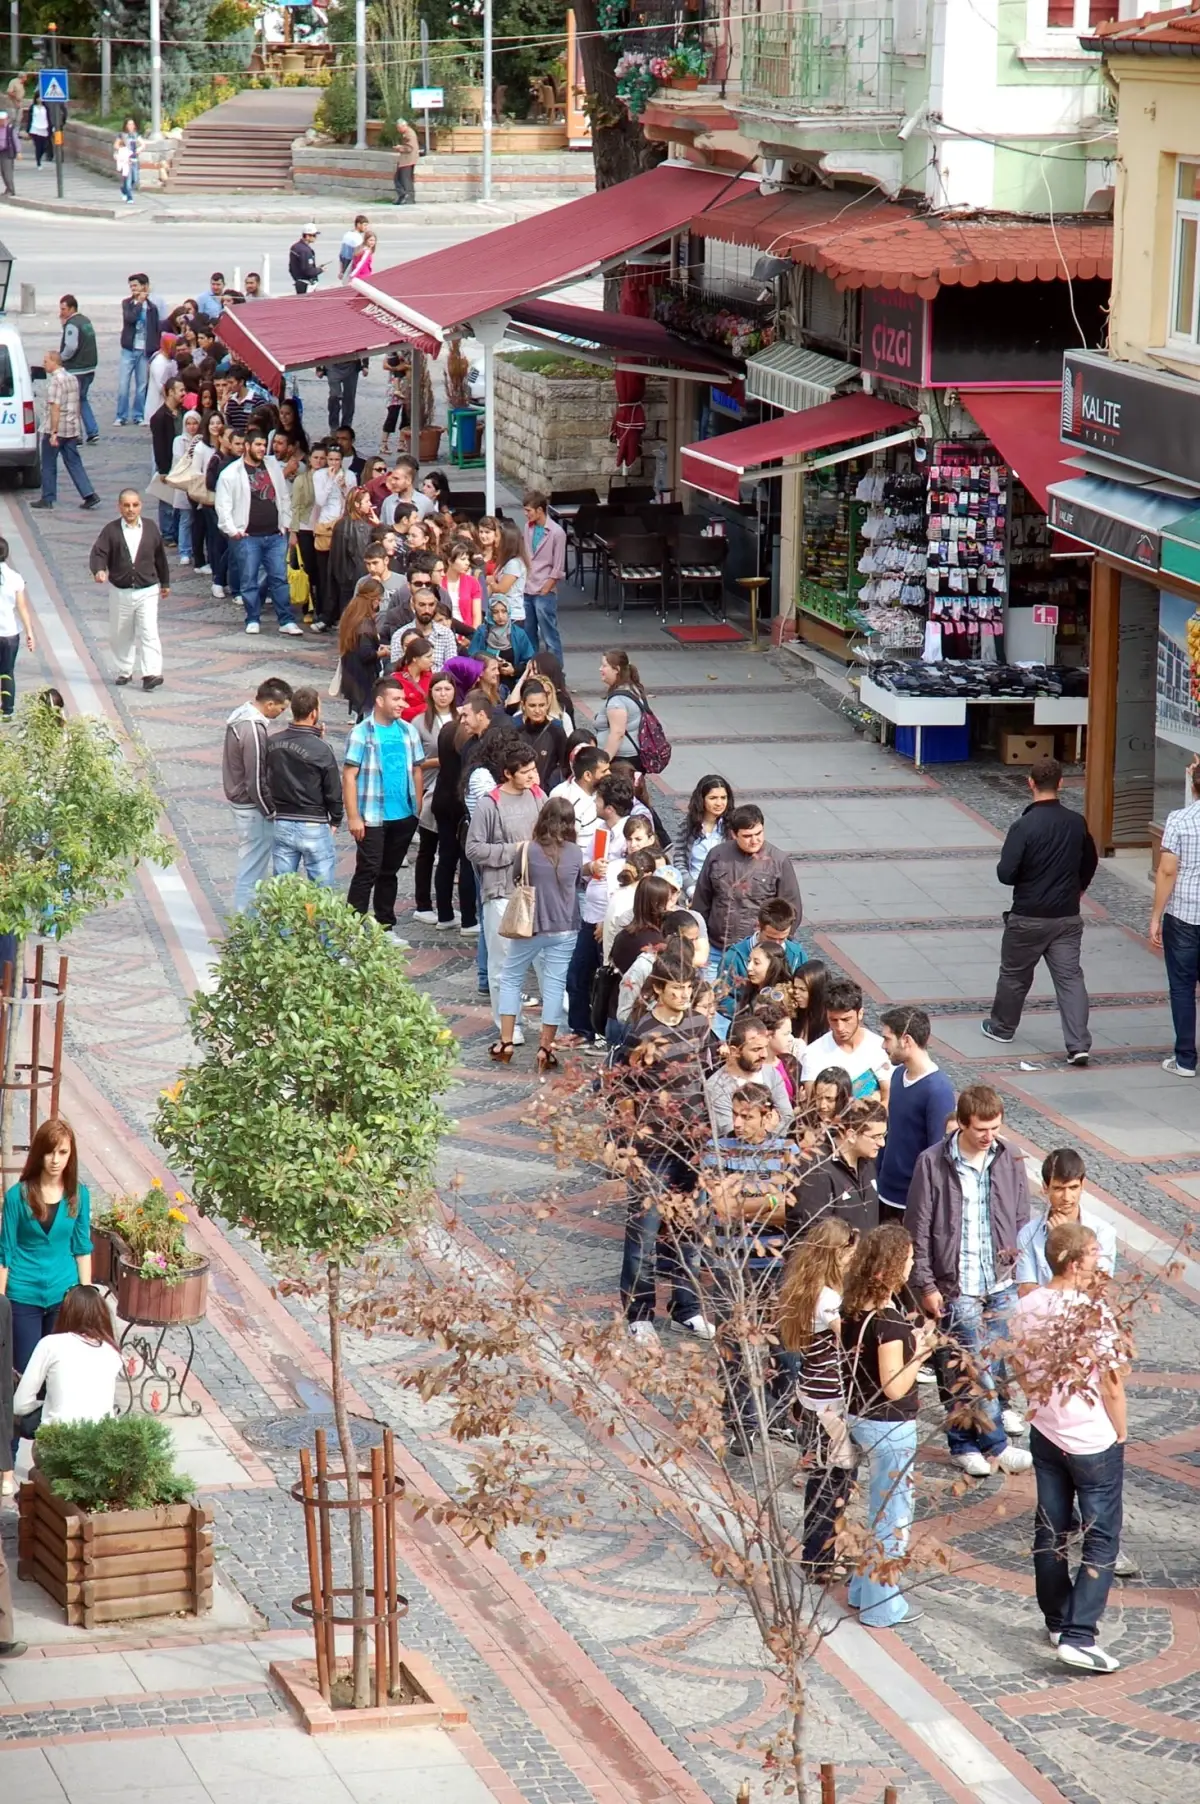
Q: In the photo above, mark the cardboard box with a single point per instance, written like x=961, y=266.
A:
x=1025, y=748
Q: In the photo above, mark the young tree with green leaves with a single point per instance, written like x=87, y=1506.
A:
x=311, y=1119
x=77, y=814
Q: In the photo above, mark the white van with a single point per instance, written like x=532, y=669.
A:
x=18, y=424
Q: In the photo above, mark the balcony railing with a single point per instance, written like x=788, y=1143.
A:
x=802, y=62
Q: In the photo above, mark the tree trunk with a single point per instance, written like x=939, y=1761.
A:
x=358, y=1573
x=8, y=1096
x=620, y=148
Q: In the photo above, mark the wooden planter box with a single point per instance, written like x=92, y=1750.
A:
x=105, y=1253
x=111, y=1567
x=156, y=1304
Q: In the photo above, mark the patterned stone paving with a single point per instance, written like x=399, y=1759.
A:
x=639, y=1626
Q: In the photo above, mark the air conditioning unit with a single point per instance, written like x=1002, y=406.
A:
x=771, y=180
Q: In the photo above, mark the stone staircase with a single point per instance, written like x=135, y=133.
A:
x=245, y=143
x=222, y=157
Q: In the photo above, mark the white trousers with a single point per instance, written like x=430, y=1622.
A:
x=133, y=624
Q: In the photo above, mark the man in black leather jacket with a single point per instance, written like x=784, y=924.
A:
x=306, y=788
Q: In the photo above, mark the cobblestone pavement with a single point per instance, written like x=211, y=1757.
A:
x=618, y=1671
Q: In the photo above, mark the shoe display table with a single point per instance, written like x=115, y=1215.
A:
x=920, y=711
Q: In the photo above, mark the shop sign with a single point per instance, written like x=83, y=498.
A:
x=1045, y=615
x=1136, y=544
x=722, y=401
x=1136, y=416
x=895, y=335
x=1177, y=690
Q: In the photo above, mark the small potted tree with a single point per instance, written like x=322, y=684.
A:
x=107, y=1524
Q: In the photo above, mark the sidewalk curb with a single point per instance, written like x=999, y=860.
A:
x=71, y=209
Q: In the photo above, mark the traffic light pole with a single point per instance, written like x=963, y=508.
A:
x=58, y=119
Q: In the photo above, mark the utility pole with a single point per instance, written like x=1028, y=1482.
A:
x=14, y=34
x=105, y=63
x=56, y=111
x=487, y=100
x=155, y=68
x=425, y=74
x=360, y=74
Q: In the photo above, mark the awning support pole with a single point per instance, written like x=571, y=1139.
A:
x=416, y=377
x=360, y=74
x=489, y=426
x=488, y=98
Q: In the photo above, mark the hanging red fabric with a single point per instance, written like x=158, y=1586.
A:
x=629, y=420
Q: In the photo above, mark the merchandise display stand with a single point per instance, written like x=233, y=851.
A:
x=920, y=711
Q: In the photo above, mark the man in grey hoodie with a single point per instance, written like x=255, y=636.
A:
x=247, y=789
x=502, y=820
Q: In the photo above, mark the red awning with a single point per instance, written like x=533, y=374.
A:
x=621, y=332
x=1023, y=425
x=717, y=465
x=483, y=275
x=270, y=337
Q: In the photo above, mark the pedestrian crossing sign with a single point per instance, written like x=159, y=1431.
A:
x=53, y=84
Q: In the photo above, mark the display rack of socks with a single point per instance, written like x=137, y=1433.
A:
x=966, y=576
x=891, y=601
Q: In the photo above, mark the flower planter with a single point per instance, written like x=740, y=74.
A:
x=684, y=84
x=374, y=133
x=106, y=1250
x=117, y=1565
x=429, y=443
x=154, y=1303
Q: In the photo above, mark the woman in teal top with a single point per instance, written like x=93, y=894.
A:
x=45, y=1238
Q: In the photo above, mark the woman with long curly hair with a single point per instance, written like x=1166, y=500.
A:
x=883, y=1354
x=809, y=1327
x=703, y=828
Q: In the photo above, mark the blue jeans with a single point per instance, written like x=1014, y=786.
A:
x=1181, y=954
x=10, y=645
x=68, y=450
x=481, y=956
x=555, y=951
x=256, y=843
x=262, y=552
x=307, y=844
x=30, y=1324
x=976, y=1324
x=891, y=1449
x=541, y=622
x=1094, y=1481
x=85, y=407
x=643, y=1254
x=168, y=522
x=133, y=379
x=127, y=186
x=189, y=535
x=585, y=962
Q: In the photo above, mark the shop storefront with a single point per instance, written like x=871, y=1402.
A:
x=1134, y=496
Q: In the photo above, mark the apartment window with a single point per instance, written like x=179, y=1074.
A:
x=1185, y=284
x=1079, y=15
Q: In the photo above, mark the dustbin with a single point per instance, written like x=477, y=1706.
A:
x=466, y=425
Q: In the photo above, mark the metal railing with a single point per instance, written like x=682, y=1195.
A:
x=802, y=62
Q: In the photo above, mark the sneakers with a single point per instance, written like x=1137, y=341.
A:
x=292, y=630
x=183, y=561
x=974, y=1464
x=1013, y=1422
x=405, y=945
x=1125, y=1566
x=1054, y=1636
x=42, y=507
x=12, y=1650
x=252, y=626
x=1078, y=1060
x=1176, y=1069
x=927, y=1375
x=153, y=682
x=991, y=1033
x=1087, y=1659
x=91, y=501
x=203, y=569
x=700, y=1327
x=1015, y=1459
x=470, y=933
x=646, y=1333
x=218, y=591
x=319, y=626
x=428, y=916
x=594, y=1049
x=445, y=926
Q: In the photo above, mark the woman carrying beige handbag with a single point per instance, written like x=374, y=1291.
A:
x=541, y=920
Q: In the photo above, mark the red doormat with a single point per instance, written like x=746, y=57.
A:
x=714, y=633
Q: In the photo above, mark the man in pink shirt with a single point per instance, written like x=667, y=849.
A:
x=546, y=551
x=1067, y=1349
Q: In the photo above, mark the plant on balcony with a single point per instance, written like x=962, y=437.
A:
x=692, y=315
x=688, y=61
x=151, y=1231
x=637, y=78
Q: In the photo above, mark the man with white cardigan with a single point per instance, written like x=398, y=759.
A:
x=254, y=512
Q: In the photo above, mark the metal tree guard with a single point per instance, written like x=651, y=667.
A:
x=30, y=1076
x=380, y=1492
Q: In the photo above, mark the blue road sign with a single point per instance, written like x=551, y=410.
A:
x=54, y=84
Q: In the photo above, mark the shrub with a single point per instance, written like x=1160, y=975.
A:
x=337, y=115
x=118, y=1463
x=551, y=363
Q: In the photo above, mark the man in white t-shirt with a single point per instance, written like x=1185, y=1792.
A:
x=351, y=242
x=848, y=1044
x=1067, y=1349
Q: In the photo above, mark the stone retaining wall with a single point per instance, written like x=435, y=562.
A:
x=92, y=146
x=557, y=175
x=552, y=431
